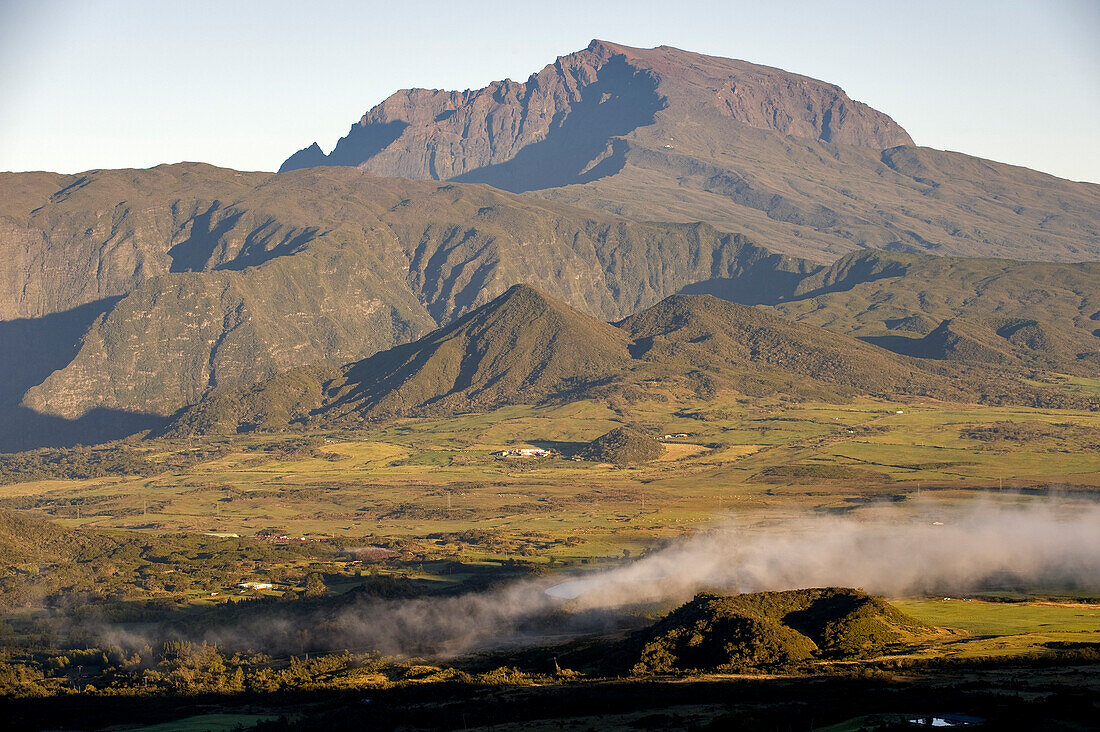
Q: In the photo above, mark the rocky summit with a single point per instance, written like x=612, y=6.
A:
x=670, y=135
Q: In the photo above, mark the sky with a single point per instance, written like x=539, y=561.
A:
x=90, y=84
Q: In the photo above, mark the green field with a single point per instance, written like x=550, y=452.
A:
x=1000, y=628
x=414, y=478
x=171, y=535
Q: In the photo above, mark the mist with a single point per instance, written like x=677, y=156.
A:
x=923, y=548
x=926, y=548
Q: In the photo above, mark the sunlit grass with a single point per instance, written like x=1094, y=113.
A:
x=416, y=477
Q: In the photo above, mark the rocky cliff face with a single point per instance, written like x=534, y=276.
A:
x=579, y=103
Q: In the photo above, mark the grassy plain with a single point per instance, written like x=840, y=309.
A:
x=992, y=629
x=434, y=510
x=416, y=478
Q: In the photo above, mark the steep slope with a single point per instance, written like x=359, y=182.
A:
x=704, y=331
x=528, y=348
x=576, y=105
x=669, y=135
x=523, y=347
x=454, y=247
x=756, y=352
x=139, y=291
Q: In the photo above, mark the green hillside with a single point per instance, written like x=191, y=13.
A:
x=623, y=446
x=708, y=332
x=186, y=280
x=523, y=347
x=1038, y=315
x=773, y=631
x=526, y=347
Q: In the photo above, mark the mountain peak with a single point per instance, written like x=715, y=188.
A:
x=522, y=346
x=525, y=295
x=609, y=47
x=561, y=125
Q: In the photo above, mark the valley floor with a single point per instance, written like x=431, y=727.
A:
x=754, y=459
x=191, y=535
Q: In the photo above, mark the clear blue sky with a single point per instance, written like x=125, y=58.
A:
x=133, y=83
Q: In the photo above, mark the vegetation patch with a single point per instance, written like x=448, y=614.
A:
x=623, y=446
x=1008, y=433
x=83, y=463
x=819, y=472
x=769, y=631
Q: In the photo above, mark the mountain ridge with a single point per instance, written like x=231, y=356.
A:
x=670, y=135
x=806, y=107
x=195, y=277
x=525, y=347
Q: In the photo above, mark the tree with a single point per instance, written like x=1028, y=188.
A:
x=315, y=585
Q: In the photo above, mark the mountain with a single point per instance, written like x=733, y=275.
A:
x=575, y=105
x=716, y=343
x=523, y=347
x=129, y=294
x=705, y=331
x=526, y=347
x=669, y=135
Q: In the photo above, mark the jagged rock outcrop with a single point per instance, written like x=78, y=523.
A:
x=590, y=96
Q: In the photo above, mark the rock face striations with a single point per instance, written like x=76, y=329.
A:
x=578, y=104
x=557, y=122
x=140, y=291
x=667, y=135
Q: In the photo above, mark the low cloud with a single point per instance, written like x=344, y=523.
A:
x=918, y=549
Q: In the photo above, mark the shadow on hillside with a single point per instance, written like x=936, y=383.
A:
x=567, y=449
x=857, y=269
x=619, y=101
x=33, y=348
x=192, y=254
x=760, y=285
x=30, y=350
x=363, y=143
x=901, y=345
x=26, y=429
x=200, y=251
x=753, y=288
x=360, y=144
